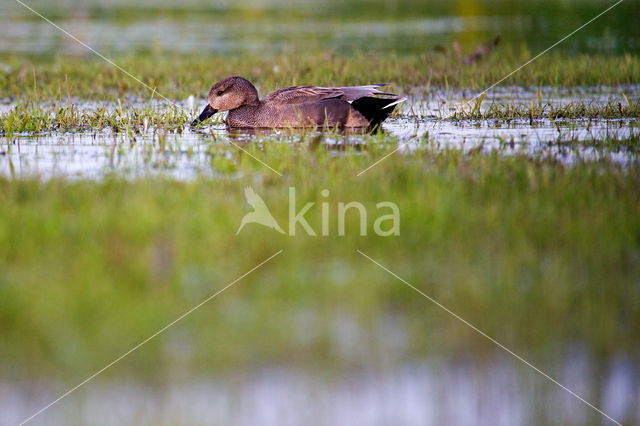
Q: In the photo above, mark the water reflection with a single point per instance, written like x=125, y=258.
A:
x=192, y=153
x=497, y=391
x=250, y=134
x=189, y=155
x=411, y=26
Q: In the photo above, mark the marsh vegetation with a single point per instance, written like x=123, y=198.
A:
x=520, y=211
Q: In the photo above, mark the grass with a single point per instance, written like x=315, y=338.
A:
x=542, y=255
x=59, y=78
x=539, y=255
x=537, y=111
x=54, y=94
x=33, y=118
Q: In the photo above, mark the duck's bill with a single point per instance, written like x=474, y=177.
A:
x=206, y=113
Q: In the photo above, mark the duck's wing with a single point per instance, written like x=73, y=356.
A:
x=351, y=93
x=304, y=94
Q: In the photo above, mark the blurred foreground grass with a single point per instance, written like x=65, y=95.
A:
x=542, y=256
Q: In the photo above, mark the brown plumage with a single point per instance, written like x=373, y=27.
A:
x=299, y=106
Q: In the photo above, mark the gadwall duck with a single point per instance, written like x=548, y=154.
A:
x=299, y=106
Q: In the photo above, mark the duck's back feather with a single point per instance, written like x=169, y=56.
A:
x=306, y=94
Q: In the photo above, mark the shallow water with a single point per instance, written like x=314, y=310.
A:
x=495, y=390
x=498, y=391
x=410, y=26
x=423, y=123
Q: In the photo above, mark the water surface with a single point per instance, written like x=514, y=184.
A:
x=498, y=391
x=409, y=26
x=422, y=123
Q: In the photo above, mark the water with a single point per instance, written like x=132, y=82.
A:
x=493, y=389
x=411, y=26
x=496, y=391
x=422, y=124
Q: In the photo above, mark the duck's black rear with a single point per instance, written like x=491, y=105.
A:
x=376, y=110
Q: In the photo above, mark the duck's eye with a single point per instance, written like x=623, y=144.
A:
x=219, y=92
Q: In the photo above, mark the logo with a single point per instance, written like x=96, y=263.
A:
x=384, y=225
x=260, y=214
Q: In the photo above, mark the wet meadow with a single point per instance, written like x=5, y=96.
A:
x=519, y=214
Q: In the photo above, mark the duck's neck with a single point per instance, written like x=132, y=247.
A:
x=252, y=103
x=251, y=97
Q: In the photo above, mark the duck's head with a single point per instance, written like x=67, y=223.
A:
x=227, y=94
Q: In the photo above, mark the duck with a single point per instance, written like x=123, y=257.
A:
x=299, y=106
